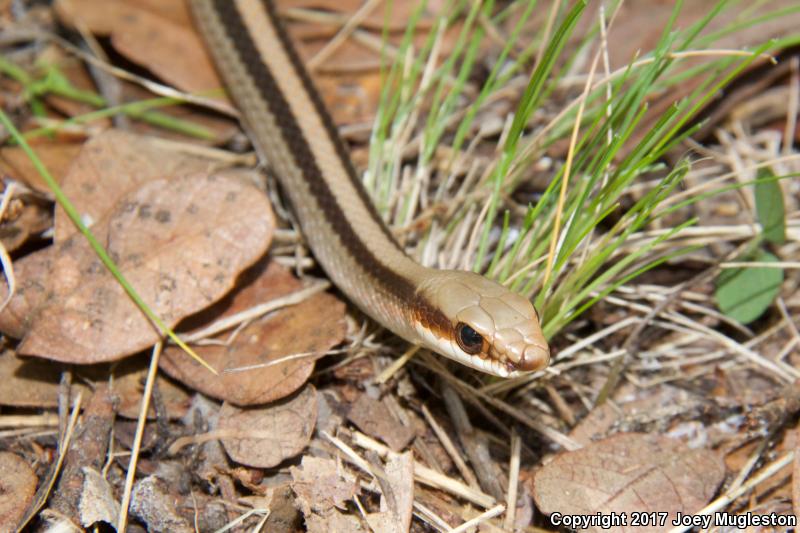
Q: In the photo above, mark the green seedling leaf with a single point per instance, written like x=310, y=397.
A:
x=770, y=207
x=743, y=294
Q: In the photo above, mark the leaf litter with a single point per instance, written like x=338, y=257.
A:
x=180, y=242
x=629, y=473
x=33, y=382
x=264, y=437
x=142, y=33
x=17, y=486
x=687, y=393
x=250, y=356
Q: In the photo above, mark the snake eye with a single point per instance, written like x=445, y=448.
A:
x=468, y=339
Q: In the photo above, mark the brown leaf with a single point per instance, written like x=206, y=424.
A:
x=633, y=406
x=218, y=129
x=75, y=70
x=97, y=503
x=56, y=156
x=154, y=503
x=143, y=36
x=333, y=521
x=175, y=10
x=639, y=26
x=374, y=418
x=112, y=165
x=31, y=382
x=181, y=243
x=263, y=437
x=630, y=472
x=320, y=485
x=129, y=378
x=17, y=487
x=397, y=496
x=310, y=327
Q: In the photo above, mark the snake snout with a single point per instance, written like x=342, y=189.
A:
x=534, y=358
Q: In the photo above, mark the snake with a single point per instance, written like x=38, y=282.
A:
x=458, y=314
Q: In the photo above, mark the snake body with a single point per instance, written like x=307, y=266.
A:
x=458, y=314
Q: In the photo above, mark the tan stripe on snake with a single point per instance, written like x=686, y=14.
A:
x=458, y=314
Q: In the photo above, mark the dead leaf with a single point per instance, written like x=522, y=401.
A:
x=112, y=165
x=311, y=327
x=181, y=243
x=321, y=485
x=56, y=156
x=31, y=382
x=129, y=378
x=264, y=437
x=283, y=513
x=333, y=521
x=154, y=504
x=633, y=408
x=17, y=488
x=143, y=36
x=629, y=472
x=56, y=61
x=175, y=10
x=218, y=130
x=397, y=496
x=374, y=418
x=639, y=26
x=400, y=12
x=97, y=503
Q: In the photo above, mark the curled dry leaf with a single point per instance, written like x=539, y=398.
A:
x=17, y=488
x=154, y=503
x=56, y=156
x=321, y=485
x=627, y=473
x=142, y=36
x=265, y=436
x=112, y=165
x=97, y=503
x=334, y=521
x=374, y=418
x=32, y=382
x=311, y=327
x=633, y=407
x=29, y=382
x=180, y=243
x=397, y=496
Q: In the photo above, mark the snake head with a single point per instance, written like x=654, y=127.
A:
x=482, y=324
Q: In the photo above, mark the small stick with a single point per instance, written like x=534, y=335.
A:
x=513, y=481
x=491, y=513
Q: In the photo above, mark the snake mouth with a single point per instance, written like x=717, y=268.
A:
x=494, y=361
x=534, y=357
x=489, y=365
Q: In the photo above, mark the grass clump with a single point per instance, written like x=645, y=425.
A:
x=584, y=235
